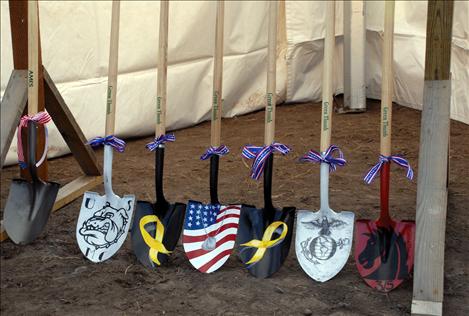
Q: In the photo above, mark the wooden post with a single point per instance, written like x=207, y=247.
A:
x=432, y=191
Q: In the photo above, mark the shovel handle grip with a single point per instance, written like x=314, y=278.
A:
x=327, y=77
x=271, y=96
x=32, y=139
x=161, y=202
x=214, y=161
x=33, y=58
x=388, y=78
x=217, y=103
x=161, y=90
x=112, y=69
x=268, y=205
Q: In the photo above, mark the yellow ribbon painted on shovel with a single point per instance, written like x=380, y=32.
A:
x=155, y=243
x=266, y=241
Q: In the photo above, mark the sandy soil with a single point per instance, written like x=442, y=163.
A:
x=51, y=276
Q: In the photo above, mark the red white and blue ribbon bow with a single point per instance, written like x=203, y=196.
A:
x=151, y=146
x=221, y=150
x=399, y=160
x=41, y=118
x=260, y=155
x=326, y=157
x=111, y=140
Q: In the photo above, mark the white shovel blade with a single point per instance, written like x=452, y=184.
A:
x=103, y=224
x=323, y=242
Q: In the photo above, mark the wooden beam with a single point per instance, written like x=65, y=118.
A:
x=67, y=194
x=432, y=191
x=75, y=189
x=69, y=128
x=13, y=104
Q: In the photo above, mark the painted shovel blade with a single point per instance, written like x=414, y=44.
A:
x=171, y=217
x=252, y=225
x=323, y=242
x=103, y=224
x=209, y=234
x=384, y=255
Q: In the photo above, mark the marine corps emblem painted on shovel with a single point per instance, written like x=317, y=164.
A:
x=324, y=238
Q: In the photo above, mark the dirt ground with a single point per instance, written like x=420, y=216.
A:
x=51, y=276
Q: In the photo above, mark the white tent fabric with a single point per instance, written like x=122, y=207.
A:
x=75, y=41
x=305, y=31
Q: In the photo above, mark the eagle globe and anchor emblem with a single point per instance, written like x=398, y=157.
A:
x=322, y=247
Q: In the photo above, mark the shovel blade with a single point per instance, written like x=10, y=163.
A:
x=323, y=242
x=252, y=225
x=172, y=218
x=384, y=255
x=209, y=234
x=28, y=208
x=103, y=224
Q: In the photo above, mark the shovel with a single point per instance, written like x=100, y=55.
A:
x=157, y=226
x=324, y=238
x=29, y=204
x=265, y=234
x=384, y=249
x=104, y=221
x=210, y=229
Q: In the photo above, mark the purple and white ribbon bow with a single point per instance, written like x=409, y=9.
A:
x=111, y=140
x=327, y=157
x=151, y=146
x=41, y=118
x=260, y=155
x=399, y=160
x=221, y=150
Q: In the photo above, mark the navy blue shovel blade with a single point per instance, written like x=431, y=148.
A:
x=252, y=225
x=172, y=218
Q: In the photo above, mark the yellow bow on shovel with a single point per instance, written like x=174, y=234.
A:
x=266, y=241
x=156, y=243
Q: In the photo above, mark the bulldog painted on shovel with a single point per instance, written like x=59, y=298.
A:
x=104, y=220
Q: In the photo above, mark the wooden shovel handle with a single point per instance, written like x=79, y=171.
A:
x=387, y=81
x=112, y=70
x=33, y=58
x=161, y=90
x=271, y=96
x=327, y=76
x=217, y=103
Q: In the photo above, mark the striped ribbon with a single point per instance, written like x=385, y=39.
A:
x=399, y=160
x=327, y=157
x=151, y=146
x=111, y=140
x=221, y=150
x=41, y=118
x=260, y=155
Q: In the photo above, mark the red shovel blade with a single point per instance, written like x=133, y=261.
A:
x=384, y=255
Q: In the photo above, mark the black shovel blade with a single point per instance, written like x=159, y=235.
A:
x=28, y=208
x=29, y=203
x=252, y=225
x=172, y=218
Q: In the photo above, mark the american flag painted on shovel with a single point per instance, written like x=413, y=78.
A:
x=209, y=234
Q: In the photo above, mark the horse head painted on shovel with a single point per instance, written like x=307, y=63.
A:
x=384, y=249
x=389, y=249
